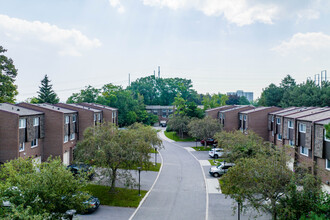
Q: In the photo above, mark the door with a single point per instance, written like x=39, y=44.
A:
x=66, y=158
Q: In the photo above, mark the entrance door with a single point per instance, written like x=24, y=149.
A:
x=66, y=158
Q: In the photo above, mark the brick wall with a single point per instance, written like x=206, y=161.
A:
x=8, y=136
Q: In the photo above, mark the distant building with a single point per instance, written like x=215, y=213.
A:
x=240, y=93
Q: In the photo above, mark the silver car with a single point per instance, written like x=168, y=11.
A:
x=221, y=169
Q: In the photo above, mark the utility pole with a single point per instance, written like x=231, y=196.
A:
x=129, y=79
x=158, y=71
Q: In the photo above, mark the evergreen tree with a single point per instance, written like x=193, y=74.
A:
x=46, y=93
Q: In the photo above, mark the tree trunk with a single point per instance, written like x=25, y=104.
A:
x=113, y=180
x=274, y=214
x=205, y=144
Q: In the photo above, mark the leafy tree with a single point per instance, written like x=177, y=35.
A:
x=179, y=124
x=8, y=73
x=238, y=145
x=327, y=128
x=203, y=128
x=243, y=101
x=271, y=96
x=258, y=182
x=213, y=101
x=46, y=93
x=32, y=100
x=223, y=100
x=89, y=94
x=108, y=147
x=38, y=191
x=233, y=100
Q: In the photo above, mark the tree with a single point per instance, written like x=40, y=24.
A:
x=243, y=101
x=110, y=148
x=179, y=124
x=239, y=145
x=39, y=190
x=271, y=96
x=8, y=73
x=89, y=94
x=258, y=182
x=46, y=93
x=327, y=129
x=203, y=128
x=232, y=100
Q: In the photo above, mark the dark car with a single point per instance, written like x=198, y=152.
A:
x=82, y=168
x=92, y=205
x=209, y=141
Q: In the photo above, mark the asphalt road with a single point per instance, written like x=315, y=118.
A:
x=180, y=190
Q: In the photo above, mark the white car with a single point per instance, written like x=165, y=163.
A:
x=221, y=169
x=216, y=153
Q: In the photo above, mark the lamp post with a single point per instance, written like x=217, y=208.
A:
x=139, y=168
x=156, y=155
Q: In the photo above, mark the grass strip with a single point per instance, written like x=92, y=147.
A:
x=217, y=161
x=120, y=197
x=207, y=148
x=173, y=136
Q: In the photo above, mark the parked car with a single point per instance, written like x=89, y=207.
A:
x=209, y=141
x=221, y=169
x=92, y=204
x=216, y=153
x=162, y=123
x=82, y=168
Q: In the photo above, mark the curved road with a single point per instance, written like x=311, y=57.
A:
x=179, y=192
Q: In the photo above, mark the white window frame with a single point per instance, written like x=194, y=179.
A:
x=72, y=136
x=94, y=117
x=289, y=124
x=99, y=117
x=74, y=118
x=302, y=125
x=66, y=138
x=67, y=119
x=278, y=121
x=35, y=141
x=245, y=117
x=272, y=118
x=240, y=117
x=291, y=142
x=23, y=147
x=325, y=136
x=279, y=137
x=22, y=123
x=272, y=132
x=36, y=121
x=327, y=164
x=301, y=151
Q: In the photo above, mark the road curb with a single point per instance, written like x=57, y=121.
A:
x=145, y=197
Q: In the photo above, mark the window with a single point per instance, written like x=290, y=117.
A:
x=278, y=121
x=273, y=118
x=113, y=115
x=94, y=117
x=155, y=112
x=245, y=117
x=66, y=138
x=327, y=164
x=34, y=143
x=279, y=137
x=302, y=128
x=240, y=117
x=291, y=142
x=72, y=136
x=272, y=133
x=99, y=117
x=36, y=121
x=325, y=136
x=74, y=118
x=21, y=147
x=67, y=119
x=290, y=124
x=304, y=151
x=22, y=123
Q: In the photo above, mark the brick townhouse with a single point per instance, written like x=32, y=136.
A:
x=229, y=117
x=163, y=112
x=21, y=133
x=214, y=112
x=61, y=128
x=109, y=114
x=87, y=116
x=256, y=120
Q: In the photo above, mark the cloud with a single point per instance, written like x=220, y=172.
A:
x=117, y=4
x=69, y=41
x=313, y=41
x=239, y=12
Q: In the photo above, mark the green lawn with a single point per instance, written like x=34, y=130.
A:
x=151, y=167
x=216, y=160
x=223, y=190
x=173, y=136
x=207, y=148
x=153, y=151
x=121, y=197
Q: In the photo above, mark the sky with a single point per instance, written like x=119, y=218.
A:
x=221, y=45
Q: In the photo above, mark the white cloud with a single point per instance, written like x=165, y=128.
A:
x=69, y=41
x=308, y=14
x=313, y=41
x=240, y=12
x=117, y=4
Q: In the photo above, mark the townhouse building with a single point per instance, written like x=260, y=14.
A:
x=22, y=133
x=109, y=114
x=61, y=129
x=256, y=120
x=229, y=118
x=87, y=116
x=214, y=112
x=163, y=112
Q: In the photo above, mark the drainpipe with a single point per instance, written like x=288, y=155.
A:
x=313, y=146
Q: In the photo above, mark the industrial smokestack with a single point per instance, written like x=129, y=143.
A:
x=158, y=71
